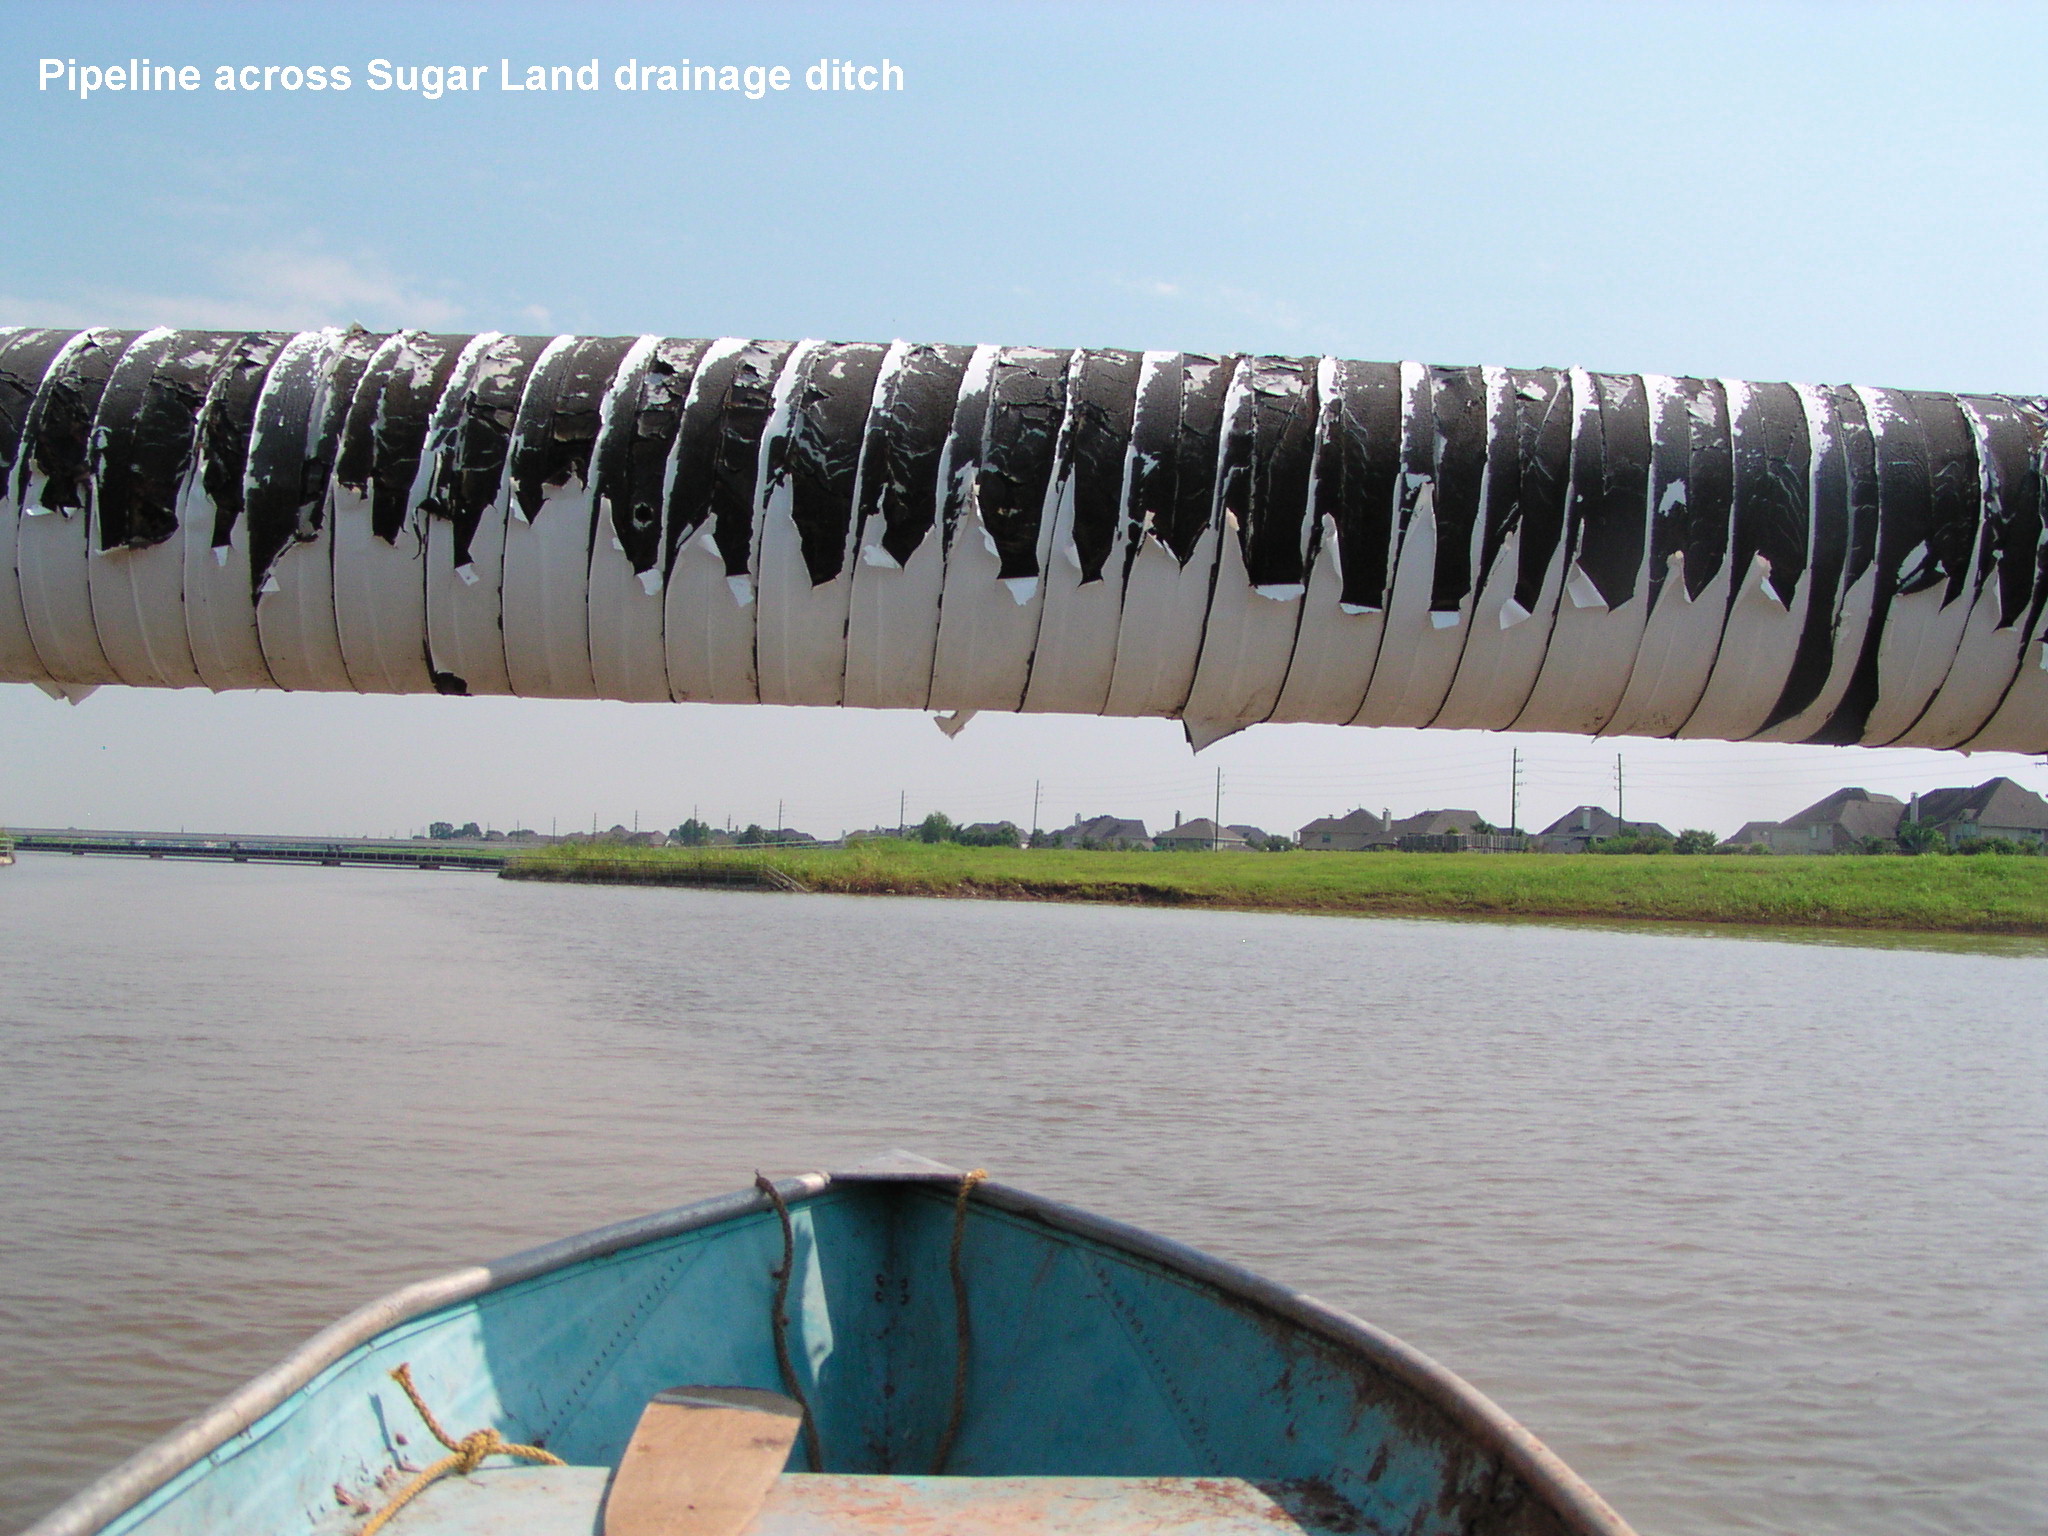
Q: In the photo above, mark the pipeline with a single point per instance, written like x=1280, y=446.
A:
x=1224, y=540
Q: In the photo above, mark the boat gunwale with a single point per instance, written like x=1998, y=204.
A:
x=93, y=1508
x=114, y=1493
x=1490, y=1425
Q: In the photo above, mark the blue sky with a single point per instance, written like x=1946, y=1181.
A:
x=1819, y=192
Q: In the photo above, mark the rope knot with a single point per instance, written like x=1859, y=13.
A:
x=472, y=1448
x=464, y=1455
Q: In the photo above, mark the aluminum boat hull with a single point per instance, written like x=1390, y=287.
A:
x=1095, y=1351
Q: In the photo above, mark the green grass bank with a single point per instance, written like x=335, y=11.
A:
x=1983, y=894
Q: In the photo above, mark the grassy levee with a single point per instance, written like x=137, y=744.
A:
x=1983, y=894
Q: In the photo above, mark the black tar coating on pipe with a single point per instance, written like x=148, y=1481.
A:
x=1174, y=495
x=1543, y=449
x=1904, y=504
x=1813, y=662
x=1954, y=495
x=1861, y=491
x=2013, y=440
x=1875, y=496
x=1418, y=457
x=1027, y=402
x=1458, y=404
x=144, y=437
x=960, y=459
x=387, y=424
x=1155, y=418
x=1502, y=510
x=1268, y=454
x=468, y=450
x=819, y=453
x=1772, y=460
x=1710, y=483
x=295, y=440
x=559, y=416
x=718, y=451
x=1670, y=464
x=1611, y=486
x=108, y=453
x=906, y=437
x=1859, y=463
x=1092, y=460
x=1358, y=462
x=224, y=426
x=55, y=441
x=632, y=460
x=24, y=360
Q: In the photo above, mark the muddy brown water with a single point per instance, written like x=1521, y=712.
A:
x=1754, y=1233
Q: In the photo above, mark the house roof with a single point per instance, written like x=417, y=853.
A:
x=1435, y=823
x=1104, y=827
x=1996, y=802
x=1202, y=830
x=1593, y=821
x=1754, y=832
x=1856, y=811
x=1354, y=824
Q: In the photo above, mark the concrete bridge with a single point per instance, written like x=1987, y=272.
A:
x=260, y=850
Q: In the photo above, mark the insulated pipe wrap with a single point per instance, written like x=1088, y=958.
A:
x=1222, y=539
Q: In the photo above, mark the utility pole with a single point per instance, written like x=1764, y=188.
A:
x=778, y=818
x=1515, y=791
x=1620, y=812
x=1037, y=788
x=1216, y=822
x=902, y=810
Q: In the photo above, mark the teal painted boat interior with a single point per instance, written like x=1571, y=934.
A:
x=1087, y=1359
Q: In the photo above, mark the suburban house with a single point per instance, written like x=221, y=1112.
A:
x=1105, y=832
x=1433, y=824
x=1841, y=821
x=1344, y=834
x=1996, y=808
x=1200, y=833
x=1584, y=825
x=1751, y=833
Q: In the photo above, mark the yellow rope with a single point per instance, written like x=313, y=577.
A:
x=466, y=1456
x=962, y=1334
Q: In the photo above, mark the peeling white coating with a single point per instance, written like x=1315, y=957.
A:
x=546, y=591
x=550, y=605
x=295, y=620
x=380, y=589
x=465, y=616
x=1989, y=658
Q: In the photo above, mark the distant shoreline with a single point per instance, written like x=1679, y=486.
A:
x=1981, y=894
